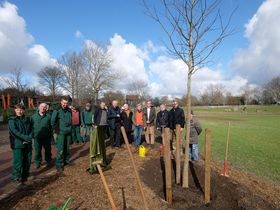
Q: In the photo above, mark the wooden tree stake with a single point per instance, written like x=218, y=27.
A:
x=207, y=166
x=135, y=170
x=186, y=161
x=178, y=154
x=168, y=182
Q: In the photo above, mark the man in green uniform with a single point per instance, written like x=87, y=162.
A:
x=87, y=121
x=20, y=129
x=62, y=123
x=41, y=123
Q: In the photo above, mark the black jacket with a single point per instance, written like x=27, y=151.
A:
x=176, y=116
x=127, y=121
x=162, y=119
x=97, y=116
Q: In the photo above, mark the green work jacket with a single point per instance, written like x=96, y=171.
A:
x=20, y=129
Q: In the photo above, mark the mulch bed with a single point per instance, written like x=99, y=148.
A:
x=237, y=192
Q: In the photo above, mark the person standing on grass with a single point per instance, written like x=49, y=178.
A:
x=62, y=123
x=20, y=129
x=176, y=117
x=194, y=133
x=87, y=119
x=162, y=119
x=76, y=126
x=138, y=122
x=42, y=131
x=126, y=119
x=114, y=120
x=149, y=113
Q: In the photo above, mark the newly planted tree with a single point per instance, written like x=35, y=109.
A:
x=194, y=29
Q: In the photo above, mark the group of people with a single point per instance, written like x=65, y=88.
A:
x=74, y=126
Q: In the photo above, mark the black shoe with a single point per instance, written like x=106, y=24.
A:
x=48, y=165
x=68, y=164
x=59, y=170
x=17, y=183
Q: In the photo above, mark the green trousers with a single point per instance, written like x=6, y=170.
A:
x=63, y=149
x=76, y=134
x=39, y=143
x=87, y=130
x=21, y=162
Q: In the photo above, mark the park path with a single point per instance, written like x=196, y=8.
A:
x=6, y=158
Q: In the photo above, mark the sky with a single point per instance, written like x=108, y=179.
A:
x=35, y=33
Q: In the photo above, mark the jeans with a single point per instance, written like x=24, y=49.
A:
x=87, y=129
x=193, y=151
x=137, y=134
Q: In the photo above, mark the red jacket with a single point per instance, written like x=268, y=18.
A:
x=76, y=118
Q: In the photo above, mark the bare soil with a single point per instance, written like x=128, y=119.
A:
x=239, y=191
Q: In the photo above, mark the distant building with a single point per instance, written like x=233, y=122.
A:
x=132, y=100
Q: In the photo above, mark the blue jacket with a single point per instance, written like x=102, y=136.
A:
x=113, y=119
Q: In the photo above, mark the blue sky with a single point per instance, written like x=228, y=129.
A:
x=52, y=25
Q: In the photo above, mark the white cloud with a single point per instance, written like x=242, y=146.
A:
x=206, y=76
x=128, y=61
x=260, y=61
x=171, y=75
x=172, y=78
x=17, y=48
x=78, y=34
x=165, y=75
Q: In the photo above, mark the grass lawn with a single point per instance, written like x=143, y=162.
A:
x=254, y=144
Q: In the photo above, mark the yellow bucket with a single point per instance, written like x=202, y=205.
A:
x=142, y=151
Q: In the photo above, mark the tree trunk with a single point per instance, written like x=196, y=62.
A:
x=190, y=72
x=186, y=162
x=96, y=97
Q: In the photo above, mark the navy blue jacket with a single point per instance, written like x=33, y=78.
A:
x=112, y=116
x=162, y=119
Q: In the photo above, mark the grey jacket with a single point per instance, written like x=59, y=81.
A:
x=195, y=130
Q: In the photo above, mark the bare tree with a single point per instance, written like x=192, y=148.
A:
x=139, y=88
x=109, y=96
x=16, y=81
x=214, y=95
x=51, y=77
x=165, y=100
x=247, y=92
x=99, y=76
x=71, y=65
x=272, y=90
x=194, y=28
